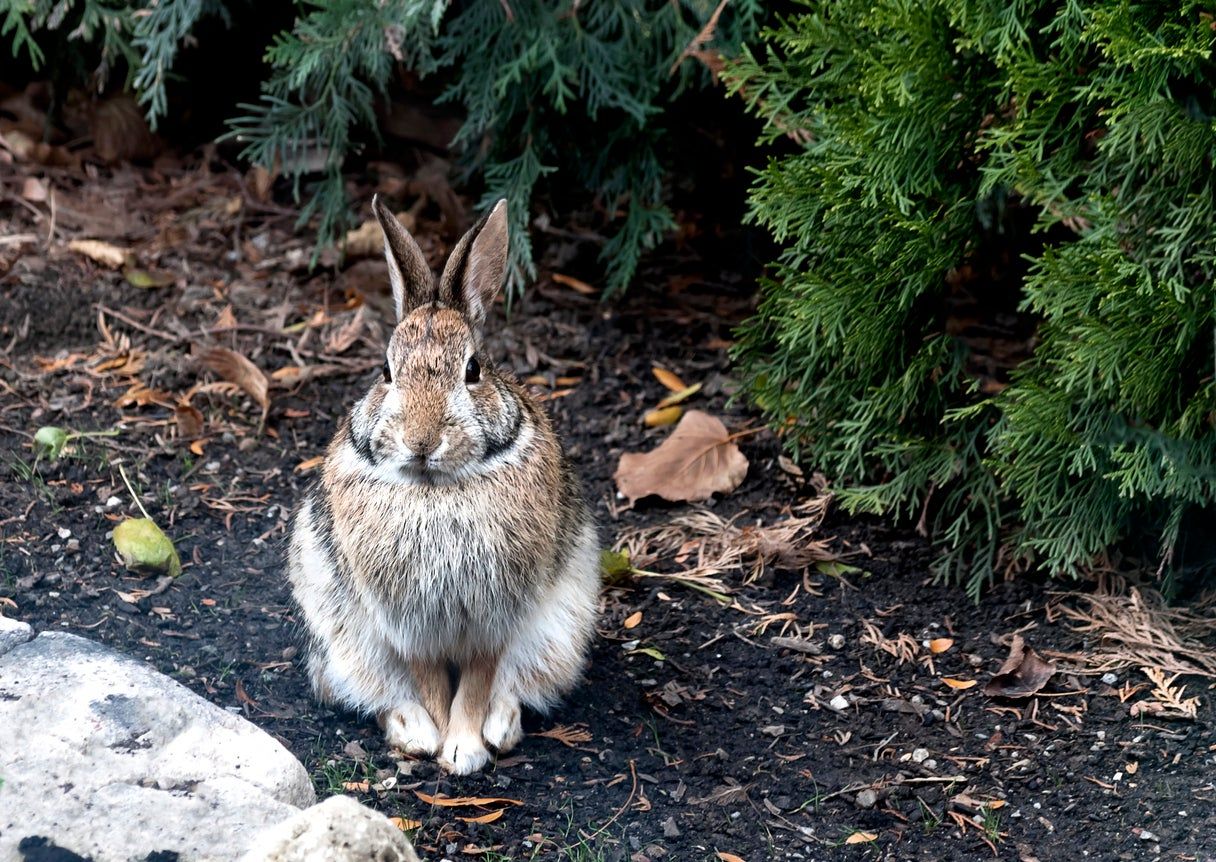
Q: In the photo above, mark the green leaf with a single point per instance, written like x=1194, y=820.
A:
x=835, y=569
x=615, y=566
x=650, y=651
x=49, y=441
x=144, y=547
x=145, y=279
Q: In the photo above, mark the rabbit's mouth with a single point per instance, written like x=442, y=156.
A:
x=426, y=472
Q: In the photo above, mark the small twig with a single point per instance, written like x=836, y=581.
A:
x=632, y=792
x=50, y=231
x=122, y=472
x=698, y=41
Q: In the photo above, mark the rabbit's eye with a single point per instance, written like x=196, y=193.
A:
x=472, y=370
x=388, y=372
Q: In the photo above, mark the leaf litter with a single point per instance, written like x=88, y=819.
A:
x=699, y=459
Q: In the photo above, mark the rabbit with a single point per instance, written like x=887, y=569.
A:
x=446, y=566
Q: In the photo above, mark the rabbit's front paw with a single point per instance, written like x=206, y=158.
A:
x=463, y=753
x=502, y=730
x=411, y=729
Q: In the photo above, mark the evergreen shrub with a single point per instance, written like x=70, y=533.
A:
x=558, y=95
x=1047, y=166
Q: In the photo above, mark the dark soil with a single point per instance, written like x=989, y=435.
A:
x=701, y=737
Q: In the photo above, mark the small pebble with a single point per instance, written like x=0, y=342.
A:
x=836, y=641
x=1145, y=835
x=867, y=798
x=920, y=755
x=64, y=533
x=839, y=703
x=1110, y=678
x=670, y=829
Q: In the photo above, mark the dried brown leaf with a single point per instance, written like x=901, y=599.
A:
x=698, y=460
x=189, y=421
x=238, y=369
x=569, y=736
x=461, y=801
x=668, y=379
x=574, y=284
x=940, y=645
x=101, y=252
x=1022, y=674
x=633, y=620
x=958, y=683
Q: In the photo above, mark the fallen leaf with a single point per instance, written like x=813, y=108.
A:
x=33, y=189
x=1131, y=768
x=189, y=421
x=958, y=683
x=241, y=694
x=650, y=651
x=729, y=857
x=940, y=645
x=101, y=252
x=671, y=381
x=1022, y=674
x=574, y=284
x=49, y=441
x=861, y=838
x=341, y=340
x=145, y=278
x=836, y=569
x=615, y=566
x=357, y=786
x=309, y=464
x=144, y=547
x=680, y=396
x=488, y=817
x=571, y=737
x=698, y=460
x=632, y=620
x=405, y=824
x=461, y=801
x=238, y=369
x=662, y=416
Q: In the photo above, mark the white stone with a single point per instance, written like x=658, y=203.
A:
x=1110, y=678
x=337, y=830
x=836, y=641
x=920, y=755
x=13, y=633
x=110, y=759
x=839, y=703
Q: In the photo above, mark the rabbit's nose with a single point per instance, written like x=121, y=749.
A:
x=421, y=447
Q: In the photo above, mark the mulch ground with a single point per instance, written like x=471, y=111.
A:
x=835, y=709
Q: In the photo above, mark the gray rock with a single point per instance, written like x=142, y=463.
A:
x=670, y=829
x=13, y=633
x=337, y=830
x=108, y=758
x=866, y=799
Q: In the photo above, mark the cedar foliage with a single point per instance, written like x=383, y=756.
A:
x=924, y=129
x=559, y=96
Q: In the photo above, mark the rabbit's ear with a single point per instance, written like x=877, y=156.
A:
x=413, y=283
x=475, y=271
